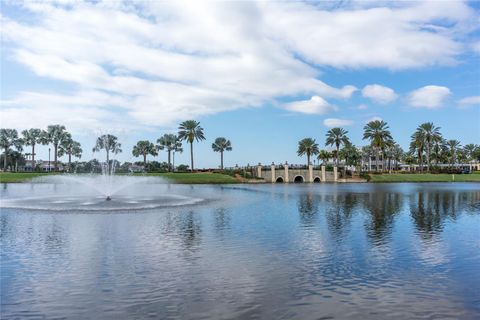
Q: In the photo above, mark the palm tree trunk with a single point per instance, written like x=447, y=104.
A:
x=5, y=160
x=55, y=147
x=173, y=162
x=144, y=159
x=33, y=157
x=338, y=147
x=221, y=160
x=428, y=157
x=308, y=159
x=377, y=154
x=169, y=165
x=69, y=161
x=191, y=155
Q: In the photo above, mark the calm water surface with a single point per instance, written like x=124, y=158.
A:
x=345, y=251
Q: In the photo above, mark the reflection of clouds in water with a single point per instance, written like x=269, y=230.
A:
x=433, y=253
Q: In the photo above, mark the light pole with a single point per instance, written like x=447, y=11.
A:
x=49, y=159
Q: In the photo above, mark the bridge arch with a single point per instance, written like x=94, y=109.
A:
x=279, y=180
x=298, y=179
x=316, y=180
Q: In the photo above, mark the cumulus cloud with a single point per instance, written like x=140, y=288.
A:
x=379, y=94
x=332, y=122
x=315, y=105
x=469, y=101
x=362, y=107
x=154, y=63
x=429, y=97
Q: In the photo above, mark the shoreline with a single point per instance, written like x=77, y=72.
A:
x=220, y=178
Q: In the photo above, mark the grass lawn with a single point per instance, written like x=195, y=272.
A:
x=195, y=178
x=424, y=177
x=6, y=177
x=186, y=178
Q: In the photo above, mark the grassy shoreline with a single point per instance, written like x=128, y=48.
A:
x=218, y=178
x=424, y=177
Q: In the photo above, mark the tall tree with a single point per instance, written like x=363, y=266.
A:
x=308, y=147
x=144, y=148
x=470, y=151
x=337, y=137
x=377, y=132
x=324, y=155
x=453, y=147
x=431, y=134
x=30, y=138
x=351, y=155
x=417, y=145
x=9, y=138
x=71, y=148
x=191, y=131
x=110, y=144
x=55, y=134
x=220, y=145
x=170, y=143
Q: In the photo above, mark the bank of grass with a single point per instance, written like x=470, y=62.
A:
x=14, y=177
x=195, y=178
x=424, y=177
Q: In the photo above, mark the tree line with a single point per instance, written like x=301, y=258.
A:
x=427, y=147
x=61, y=140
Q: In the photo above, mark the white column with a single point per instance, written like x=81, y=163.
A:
x=335, y=174
x=324, y=176
x=310, y=173
x=272, y=167
x=286, y=179
x=259, y=170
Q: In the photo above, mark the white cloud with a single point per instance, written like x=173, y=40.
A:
x=362, y=107
x=469, y=101
x=476, y=47
x=379, y=94
x=332, y=122
x=429, y=97
x=315, y=105
x=154, y=63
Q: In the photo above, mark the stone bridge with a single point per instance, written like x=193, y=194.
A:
x=297, y=174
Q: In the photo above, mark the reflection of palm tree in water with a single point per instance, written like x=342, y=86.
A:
x=340, y=212
x=190, y=230
x=308, y=208
x=430, y=209
x=382, y=208
x=222, y=220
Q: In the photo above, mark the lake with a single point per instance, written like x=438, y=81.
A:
x=317, y=251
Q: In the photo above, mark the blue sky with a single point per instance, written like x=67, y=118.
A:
x=262, y=74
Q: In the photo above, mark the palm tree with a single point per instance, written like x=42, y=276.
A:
x=9, y=138
x=170, y=143
x=431, y=134
x=308, y=147
x=378, y=134
x=220, y=145
x=55, y=134
x=453, y=146
x=30, y=138
x=190, y=131
x=351, y=155
x=337, y=137
x=71, y=148
x=324, y=155
x=470, y=150
x=177, y=147
x=144, y=148
x=109, y=143
x=417, y=144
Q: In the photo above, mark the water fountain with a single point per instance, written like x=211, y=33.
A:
x=104, y=191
